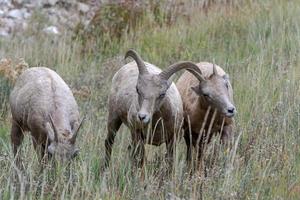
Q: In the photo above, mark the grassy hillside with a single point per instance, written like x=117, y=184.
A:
x=256, y=42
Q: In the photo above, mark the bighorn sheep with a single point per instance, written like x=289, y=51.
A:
x=141, y=93
x=42, y=103
x=207, y=105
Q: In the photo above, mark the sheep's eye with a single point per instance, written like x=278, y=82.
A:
x=206, y=95
x=162, y=95
x=137, y=90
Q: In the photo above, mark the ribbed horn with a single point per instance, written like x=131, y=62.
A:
x=139, y=61
x=73, y=139
x=190, y=66
x=54, y=129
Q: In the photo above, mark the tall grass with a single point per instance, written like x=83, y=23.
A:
x=257, y=43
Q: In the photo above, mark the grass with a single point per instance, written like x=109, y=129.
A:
x=257, y=43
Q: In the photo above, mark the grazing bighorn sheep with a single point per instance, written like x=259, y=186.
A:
x=42, y=103
x=141, y=93
x=207, y=105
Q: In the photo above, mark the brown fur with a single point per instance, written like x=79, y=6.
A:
x=196, y=106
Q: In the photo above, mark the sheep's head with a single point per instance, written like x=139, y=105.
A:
x=152, y=88
x=62, y=148
x=214, y=91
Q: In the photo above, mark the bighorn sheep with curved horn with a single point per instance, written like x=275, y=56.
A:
x=141, y=93
x=207, y=105
x=42, y=103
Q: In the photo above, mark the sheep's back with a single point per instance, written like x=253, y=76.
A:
x=37, y=93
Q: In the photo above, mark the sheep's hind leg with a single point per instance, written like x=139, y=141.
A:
x=171, y=145
x=113, y=126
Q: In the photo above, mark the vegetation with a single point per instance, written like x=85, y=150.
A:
x=257, y=42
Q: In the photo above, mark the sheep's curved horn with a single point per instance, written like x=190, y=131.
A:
x=190, y=66
x=54, y=129
x=139, y=61
x=197, y=74
x=215, y=72
x=73, y=138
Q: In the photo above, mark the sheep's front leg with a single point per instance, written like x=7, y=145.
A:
x=41, y=150
x=16, y=137
x=39, y=139
x=188, y=142
x=137, y=149
x=113, y=126
x=226, y=135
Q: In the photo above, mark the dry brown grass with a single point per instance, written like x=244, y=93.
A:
x=84, y=92
x=12, y=69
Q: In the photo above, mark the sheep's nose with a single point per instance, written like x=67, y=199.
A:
x=231, y=110
x=143, y=117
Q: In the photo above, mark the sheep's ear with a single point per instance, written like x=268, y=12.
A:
x=226, y=77
x=215, y=71
x=196, y=89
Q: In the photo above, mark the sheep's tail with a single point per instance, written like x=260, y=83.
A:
x=11, y=70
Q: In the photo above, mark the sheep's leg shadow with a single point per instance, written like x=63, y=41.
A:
x=113, y=126
x=17, y=137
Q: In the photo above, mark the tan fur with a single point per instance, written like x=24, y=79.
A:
x=123, y=107
x=195, y=106
x=39, y=94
